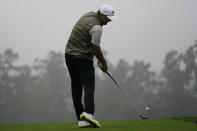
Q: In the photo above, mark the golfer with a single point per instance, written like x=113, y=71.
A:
x=83, y=44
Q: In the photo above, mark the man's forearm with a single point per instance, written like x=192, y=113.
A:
x=99, y=55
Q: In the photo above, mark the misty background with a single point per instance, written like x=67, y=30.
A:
x=151, y=50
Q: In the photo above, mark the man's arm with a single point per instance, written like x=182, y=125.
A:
x=99, y=55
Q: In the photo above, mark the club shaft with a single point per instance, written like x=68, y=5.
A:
x=131, y=103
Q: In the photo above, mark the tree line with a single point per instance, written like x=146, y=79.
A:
x=41, y=92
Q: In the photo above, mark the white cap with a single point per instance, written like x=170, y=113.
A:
x=108, y=11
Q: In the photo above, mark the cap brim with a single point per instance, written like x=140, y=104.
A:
x=112, y=17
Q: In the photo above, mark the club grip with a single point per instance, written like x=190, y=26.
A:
x=99, y=65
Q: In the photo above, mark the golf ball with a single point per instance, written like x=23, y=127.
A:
x=147, y=108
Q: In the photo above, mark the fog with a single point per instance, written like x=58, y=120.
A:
x=150, y=49
x=144, y=30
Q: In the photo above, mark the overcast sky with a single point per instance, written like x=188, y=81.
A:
x=144, y=29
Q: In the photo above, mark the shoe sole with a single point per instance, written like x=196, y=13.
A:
x=95, y=124
x=84, y=126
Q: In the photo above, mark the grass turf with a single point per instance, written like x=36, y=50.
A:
x=170, y=124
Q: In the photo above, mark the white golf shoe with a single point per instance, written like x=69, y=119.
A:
x=91, y=119
x=83, y=124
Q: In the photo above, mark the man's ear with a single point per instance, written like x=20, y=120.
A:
x=102, y=15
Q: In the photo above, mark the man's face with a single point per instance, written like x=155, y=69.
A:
x=104, y=19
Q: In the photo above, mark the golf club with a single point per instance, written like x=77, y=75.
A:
x=135, y=107
x=131, y=103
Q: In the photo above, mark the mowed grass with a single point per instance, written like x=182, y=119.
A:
x=170, y=124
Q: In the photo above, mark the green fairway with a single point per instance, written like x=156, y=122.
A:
x=171, y=124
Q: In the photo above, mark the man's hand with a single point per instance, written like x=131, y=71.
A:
x=102, y=67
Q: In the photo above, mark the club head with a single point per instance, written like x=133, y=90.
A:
x=143, y=117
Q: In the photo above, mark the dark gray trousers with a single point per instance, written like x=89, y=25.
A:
x=82, y=78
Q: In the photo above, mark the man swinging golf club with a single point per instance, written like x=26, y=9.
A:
x=83, y=44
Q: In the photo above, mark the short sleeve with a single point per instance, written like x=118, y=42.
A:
x=96, y=33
